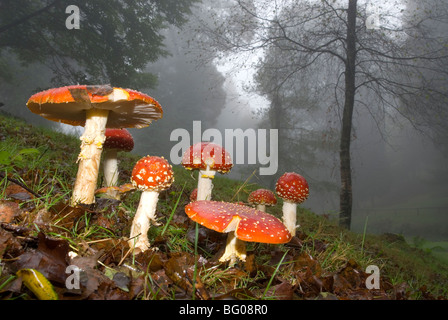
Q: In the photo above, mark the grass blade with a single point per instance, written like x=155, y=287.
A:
x=273, y=275
x=364, y=235
x=174, y=210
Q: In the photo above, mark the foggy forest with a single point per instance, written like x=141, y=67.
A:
x=350, y=94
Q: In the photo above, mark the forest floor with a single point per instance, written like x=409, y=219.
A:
x=41, y=235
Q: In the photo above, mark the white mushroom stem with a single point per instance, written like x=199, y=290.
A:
x=110, y=169
x=144, y=217
x=235, y=248
x=89, y=158
x=290, y=216
x=205, y=184
x=261, y=207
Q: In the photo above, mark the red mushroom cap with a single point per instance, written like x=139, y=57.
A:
x=248, y=223
x=292, y=187
x=119, y=139
x=194, y=195
x=152, y=174
x=262, y=196
x=201, y=154
x=68, y=105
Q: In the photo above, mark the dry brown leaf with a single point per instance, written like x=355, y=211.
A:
x=8, y=244
x=281, y=291
x=50, y=259
x=8, y=211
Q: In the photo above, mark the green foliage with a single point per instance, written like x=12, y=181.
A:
x=115, y=41
x=19, y=158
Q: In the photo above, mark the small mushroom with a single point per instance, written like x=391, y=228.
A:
x=116, y=140
x=208, y=158
x=95, y=108
x=194, y=195
x=293, y=189
x=242, y=223
x=151, y=175
x=262, y=198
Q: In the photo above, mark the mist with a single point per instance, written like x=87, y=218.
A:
x=400, y=182
x=400, y=176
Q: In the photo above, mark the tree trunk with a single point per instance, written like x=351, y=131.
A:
x=275, y=117
x=344, y=151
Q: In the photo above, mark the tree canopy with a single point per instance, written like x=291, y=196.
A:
x=114, y=42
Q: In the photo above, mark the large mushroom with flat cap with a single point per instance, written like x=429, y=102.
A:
x=242, y=223
x=293, y=189
x=116, y=140
x=95, y=108
x=262, y=198
x=208, y=158
x=151, y=175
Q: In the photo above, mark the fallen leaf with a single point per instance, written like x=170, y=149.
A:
x=127, y=187
x=160, y=283
x=106, y=189
x=42, y=218
x=176, y=269
x=308, y=285
x=8, y=244
x=136, y=286
x=151, y=261
x=281, y=291
x=38, y=284
x=352, y=275
x=8, y=211
x=65, y=215
x=304, y=261
x=107, y=290
x=180, y=269
x=50, y=259
x=93, y=283
x=17, y=192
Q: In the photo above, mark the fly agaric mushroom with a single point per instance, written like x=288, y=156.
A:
x=262, y=198
x=151, y=175
x=293, y=189
x=194, y=195
x=242, y=223
x=95, y=108
x=208, y=158
x=116, y=140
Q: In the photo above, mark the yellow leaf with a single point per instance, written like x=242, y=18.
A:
x=38, y=284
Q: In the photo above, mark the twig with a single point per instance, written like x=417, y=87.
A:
x=2, y=175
